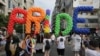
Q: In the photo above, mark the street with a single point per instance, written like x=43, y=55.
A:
x=68, y=52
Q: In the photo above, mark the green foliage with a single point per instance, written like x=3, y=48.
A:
x=3, y=20
x=19, y=28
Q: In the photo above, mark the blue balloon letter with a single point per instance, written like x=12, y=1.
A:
x=80, y=20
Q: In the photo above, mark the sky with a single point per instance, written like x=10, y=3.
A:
x=45, y=4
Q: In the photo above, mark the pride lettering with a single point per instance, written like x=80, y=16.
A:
x=28, y=18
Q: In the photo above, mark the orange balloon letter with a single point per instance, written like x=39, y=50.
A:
x=35, y=19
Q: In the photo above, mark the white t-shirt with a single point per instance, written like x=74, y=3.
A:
x=61, y=45
x=44, y=41
x=89, y=52
x=53, y=37
x=1, y=36
x=98, y=53
x=76, y=41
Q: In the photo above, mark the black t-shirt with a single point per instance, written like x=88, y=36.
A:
x=15, y=39
x=7, y=46
x=18, y=50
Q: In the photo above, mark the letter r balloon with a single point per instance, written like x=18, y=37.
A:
x=35, y=19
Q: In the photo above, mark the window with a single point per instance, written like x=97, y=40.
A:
x=10, y=5
x=81, y=13
x=24, y=1
x=92, y=13
x=3, y=0
x=31, y=4
x=9, y=2
x=13, y=6
x=24, y=8
x=63, y=24
x=93, y=20
x=18, y=4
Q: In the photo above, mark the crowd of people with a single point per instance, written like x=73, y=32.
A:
x=2, y=38
x=16, y=47
x=79, y=42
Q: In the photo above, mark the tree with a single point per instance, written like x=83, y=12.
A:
x=3, y=20
x=19, y=28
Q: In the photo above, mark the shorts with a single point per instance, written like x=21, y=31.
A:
x=52, y=41
x=69, y=39
x=47, y=49
x=60, y=51
x=76, y=48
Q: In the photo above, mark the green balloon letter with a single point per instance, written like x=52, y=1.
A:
x=69, y=24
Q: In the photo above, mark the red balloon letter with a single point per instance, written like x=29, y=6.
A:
x=14, y=19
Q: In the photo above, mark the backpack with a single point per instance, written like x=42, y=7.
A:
x=47, y=46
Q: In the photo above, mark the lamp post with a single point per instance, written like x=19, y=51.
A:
x=19, y=5
x=99, y=22
x=23, y=35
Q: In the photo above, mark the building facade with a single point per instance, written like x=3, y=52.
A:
x=62, y=6
x=6, y=6
x=2, y=6
x=67, y=6
x=92, y=18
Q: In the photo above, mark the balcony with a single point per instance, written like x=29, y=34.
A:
x=92, y=25
x=94, y=3
x=10, y=9
x=87, y=25
x=2, y=2
x=87, y=16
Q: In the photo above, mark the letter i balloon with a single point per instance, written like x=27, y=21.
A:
x=46, y=22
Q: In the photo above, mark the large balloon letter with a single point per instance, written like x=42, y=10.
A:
x=46, y=22
x=69, y=21
x=80, y=20
x=35, y=19
x=14, y=19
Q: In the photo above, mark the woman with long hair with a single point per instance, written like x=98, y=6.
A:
x=47, y=44
x=7, y=46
